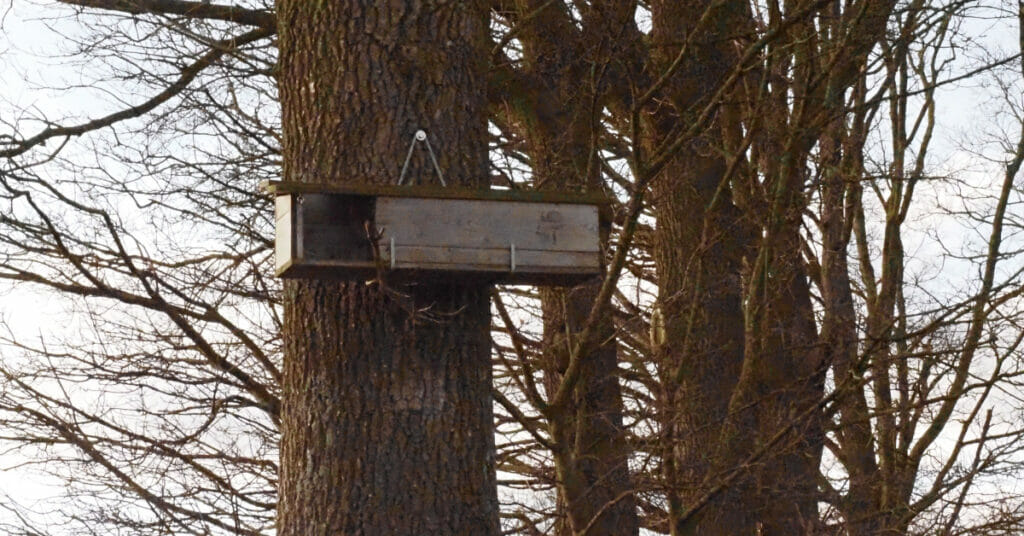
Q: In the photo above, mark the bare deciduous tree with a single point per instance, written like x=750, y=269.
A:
x=780, y=345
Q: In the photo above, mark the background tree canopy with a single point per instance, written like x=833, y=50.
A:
x=810, y=321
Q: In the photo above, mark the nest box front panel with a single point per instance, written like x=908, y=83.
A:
x=489, y=236
x=357, y=235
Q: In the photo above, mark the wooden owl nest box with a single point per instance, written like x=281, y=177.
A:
x=414, y=233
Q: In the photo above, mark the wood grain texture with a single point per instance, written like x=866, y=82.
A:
x=499, y=261
x=488, y=224
x=431, y=191
x=284, y=226
x=325, y=236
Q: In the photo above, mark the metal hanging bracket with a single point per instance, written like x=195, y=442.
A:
x=421, y=135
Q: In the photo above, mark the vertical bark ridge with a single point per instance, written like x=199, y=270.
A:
x=698, y=257
x=387, y=417
x=591, y=454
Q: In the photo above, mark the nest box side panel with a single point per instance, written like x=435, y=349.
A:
x=284, y=252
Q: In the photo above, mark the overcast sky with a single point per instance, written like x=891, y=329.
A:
x=30, y=62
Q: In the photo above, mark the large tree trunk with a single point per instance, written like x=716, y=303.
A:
x=387, y=418
x=590, y=450
x=698, y=250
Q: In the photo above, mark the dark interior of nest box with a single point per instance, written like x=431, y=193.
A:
x=335, y=227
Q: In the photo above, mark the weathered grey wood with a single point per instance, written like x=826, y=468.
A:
x=431, y=191
x=488, y=224
x=583, y=262
x=496, y=260
x=330, y=235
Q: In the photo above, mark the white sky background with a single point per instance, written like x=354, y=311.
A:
x=969, y=118
x=34, y=66
x=26, y=47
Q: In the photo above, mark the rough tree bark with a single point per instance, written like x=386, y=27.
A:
x=590, y=450
x=742, y=343
x=387, y=417
x=782, y=379
x=698, y=250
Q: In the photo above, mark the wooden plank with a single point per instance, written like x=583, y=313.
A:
x=472, y=260
x=487, y=224
x=450, y=258
x=283, y=229
x=331, y=271
x=436, y=192
x=437, y=239
x=282, y=207
x=494, y=260
x=582, y=262
x=421, y=272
